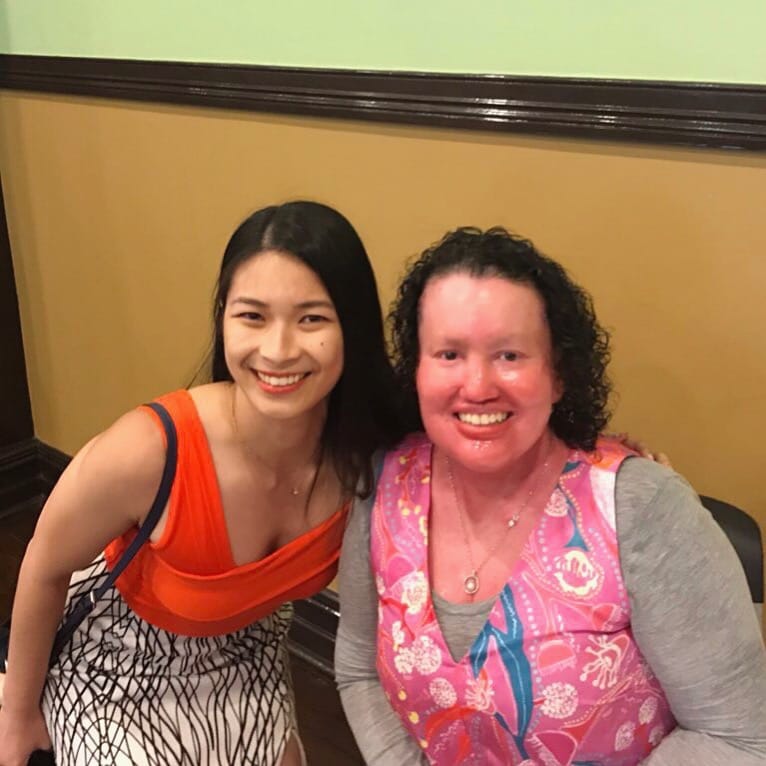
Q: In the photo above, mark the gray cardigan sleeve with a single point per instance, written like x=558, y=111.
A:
x=377, y=729
x=693, y=620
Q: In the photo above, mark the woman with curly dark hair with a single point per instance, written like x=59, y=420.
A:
x=580, y=344
x=522, y=590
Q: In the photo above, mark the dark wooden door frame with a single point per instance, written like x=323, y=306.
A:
x=19, y=468
x=16, y=421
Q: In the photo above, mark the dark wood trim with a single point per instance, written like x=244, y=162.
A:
x=691, y=114
x=312, y=634
x=52, y=463
x=16, y=419
x=20, y=483
x=28, y=471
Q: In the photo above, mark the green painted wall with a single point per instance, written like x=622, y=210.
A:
x=656, y=39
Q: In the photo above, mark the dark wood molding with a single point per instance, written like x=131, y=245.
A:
x=28, y=471
x=15, y=408
x=21, y=487
x=681, y=113
x=52, y=463
x=312, y=634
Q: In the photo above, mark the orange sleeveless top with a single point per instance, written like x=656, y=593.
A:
x=187, y=582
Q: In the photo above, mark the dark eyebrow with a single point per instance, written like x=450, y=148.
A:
x=303, y=306
x=316, y=305
x=511, y=339
x=251, y=302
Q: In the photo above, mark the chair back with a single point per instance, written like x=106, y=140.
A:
x=745, y=535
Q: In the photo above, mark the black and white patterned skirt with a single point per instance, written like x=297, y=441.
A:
x=126, y=693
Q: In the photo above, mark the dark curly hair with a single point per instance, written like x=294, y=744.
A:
x=580, y=344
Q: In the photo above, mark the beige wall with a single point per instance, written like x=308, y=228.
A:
x=119, y=213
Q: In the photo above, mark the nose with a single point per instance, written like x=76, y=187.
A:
x=479, y=383
x=278, y=344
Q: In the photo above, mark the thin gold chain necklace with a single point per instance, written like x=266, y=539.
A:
x=293, y=489
x=471, y=583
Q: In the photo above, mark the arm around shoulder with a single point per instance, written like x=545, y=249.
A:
x=693, y=620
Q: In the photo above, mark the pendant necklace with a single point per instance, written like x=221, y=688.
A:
x=471, y=583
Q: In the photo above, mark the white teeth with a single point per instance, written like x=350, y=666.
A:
x=280, y=380
x=484, y=419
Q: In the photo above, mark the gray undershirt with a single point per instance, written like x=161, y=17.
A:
x=691, y=616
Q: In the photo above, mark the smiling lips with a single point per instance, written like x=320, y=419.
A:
x=483, y=418
x=280, y=383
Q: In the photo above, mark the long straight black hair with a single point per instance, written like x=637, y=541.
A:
x=364, y=411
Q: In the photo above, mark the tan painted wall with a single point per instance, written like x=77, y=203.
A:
x=119, y=213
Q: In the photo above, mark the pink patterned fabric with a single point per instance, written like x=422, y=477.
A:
x=554, y=677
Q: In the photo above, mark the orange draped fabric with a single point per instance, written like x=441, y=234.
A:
x=187, y=582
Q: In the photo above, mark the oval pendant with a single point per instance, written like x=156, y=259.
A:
x=471, y=584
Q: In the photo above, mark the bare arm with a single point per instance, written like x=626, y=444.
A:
x=106, y=490
x=693, y=620
x=377, y=729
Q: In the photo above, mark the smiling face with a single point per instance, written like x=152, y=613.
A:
x=282, y=337
x=485, y=379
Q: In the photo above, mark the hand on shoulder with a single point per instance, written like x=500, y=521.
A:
x=638, y=446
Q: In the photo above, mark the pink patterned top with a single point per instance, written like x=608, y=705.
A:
x=554, y=677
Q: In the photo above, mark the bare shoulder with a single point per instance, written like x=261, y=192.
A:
x=133, y=447
x=213, y=403
x=104, y=491
x=123, y=465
